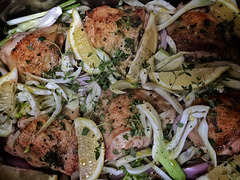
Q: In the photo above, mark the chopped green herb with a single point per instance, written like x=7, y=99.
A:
x=97, y=149
x=136, y=21
x=182, y=27
x=237, y=168
x=74, y=87
x=90, y=54
x=30, y=48
x=28, y=61
x=83, y=108
x=211, y=103
x=133, y=152
x=211, y=141
x=136, y=85
x=125, y=137
x=180, y=125
x=51, y=74
x=63, y=126
x=115, y=152
x=102, y=129
x=129, y=44
x=145, y=65
x=111, y=129
x=85, y=131
x=26, y=150
x=102, y=117
x=68, y=52
x=120, y=3
x=169, y=126
x=41, y=38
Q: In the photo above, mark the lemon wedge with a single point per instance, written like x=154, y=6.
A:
x=81, y=45
x=90, y=148
x=226, y=10
x=180, y=80
x=147, y=48
x=8, y=84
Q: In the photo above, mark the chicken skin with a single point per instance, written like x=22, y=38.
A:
x=116, y=31
x=198, y=31
x=122, y=127
x=55, y=148
x=34, y=52
x=223, y=121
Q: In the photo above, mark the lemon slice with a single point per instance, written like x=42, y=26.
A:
x=8, y=84
x=180, y=80
x=81, y=45
x=226, y=10
x=147, y=48
x=90, y=148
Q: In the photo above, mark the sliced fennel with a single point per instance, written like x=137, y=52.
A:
x=203, y=132
x=157, y=6
x=191, y=5
x=133, y=3
x=55, y=113
x=111, y=171
x=67, y=79
x=46, y=21
x=160, y=172
x=190, y=98
x=143, y=76
x=188, y=114
x=159, y=152
x=32, y=82
x=121, y=85
x=151, y=86
x=64, y=6
x=66, y=63
x=26, y=18
x=160, y=6
x=140, y=154
x=73, y=98
x=231, y=83
x=187, y=155
x=6, y=128
x=177, y=150
x=92, y=97
x=171, y=44
x=161, y=55
x=146, y=126
x=58, y=89
x=162, y=17
x=137, y=170
x=170, y=63
x=33, y=90
x=26, y=96
x=46, y=101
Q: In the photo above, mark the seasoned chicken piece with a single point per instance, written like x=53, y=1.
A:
x=224, y=123
x=117, y=31
x=34, y=52
x=121, y=123
x=197, y=31
x=55, y=148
